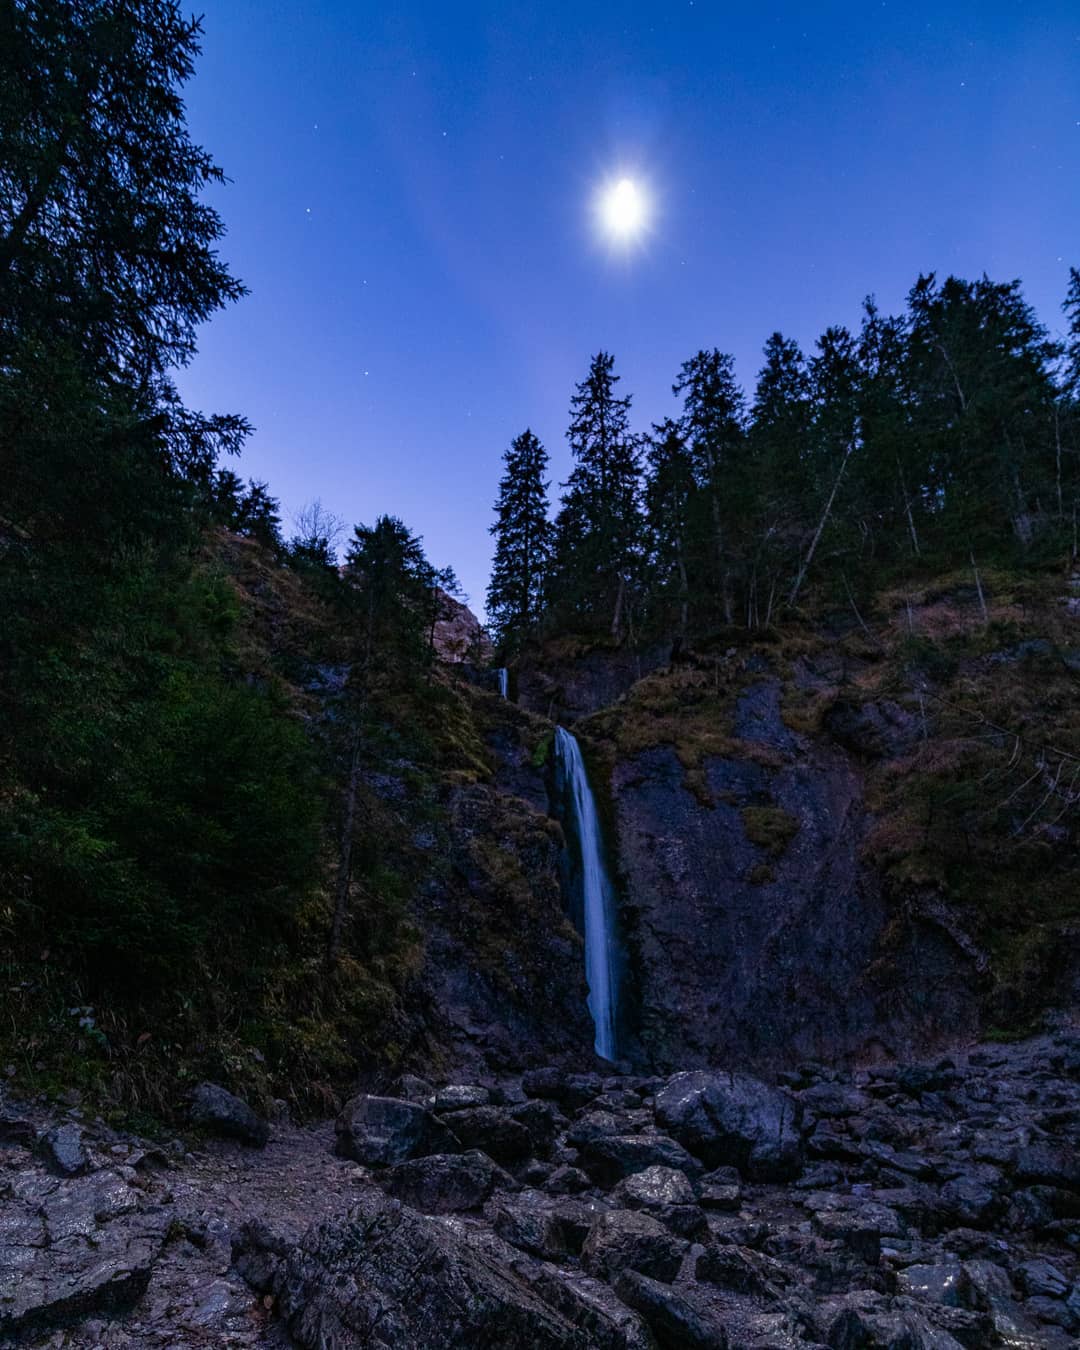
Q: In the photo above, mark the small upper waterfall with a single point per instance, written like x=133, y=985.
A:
x=597, y=895
x=504, y=681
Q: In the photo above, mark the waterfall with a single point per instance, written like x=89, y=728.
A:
x=598, y=898
x=504, y=681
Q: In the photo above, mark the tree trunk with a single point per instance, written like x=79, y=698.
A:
x=805, y=564
x=616, y=622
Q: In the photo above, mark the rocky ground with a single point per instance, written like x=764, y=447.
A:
x=916, y=1206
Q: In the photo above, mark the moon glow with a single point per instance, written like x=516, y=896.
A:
x=623, y=210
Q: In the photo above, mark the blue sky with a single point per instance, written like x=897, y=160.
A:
x=411, y=197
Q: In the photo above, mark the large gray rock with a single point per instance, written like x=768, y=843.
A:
x=63, y=1150
x=382, y=1131
x=493, y=1130
x=731, y=1118
x=679, y=1320
x=624, y=1240
x=666, y=1195
x=442, y=1183
x=215, y=1109
x=386, y=1277
x=609, y=1158
x=72, y=1249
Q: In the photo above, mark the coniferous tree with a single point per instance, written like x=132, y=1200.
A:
x=780, y=421
x=712, y=423
x=598, y=529
x=523, y=544
x=394, y=585
x=669, y=493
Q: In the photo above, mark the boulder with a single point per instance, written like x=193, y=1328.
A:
x=384, y=1277
x=382, y=1131
x=543, y=1120
x=215, y=1109
x=84, y=1251
x=732, y=1118
x=63, y=1150
x=530, y=1221
x=567, y=1181
x=609, y=1158
x=666, y=1195
x=677, y=1319
x=493, y=1130
x=442, y=1183
x=571, y=1090
x=458, y=1096
x=623, y=1240
x=721, y=1189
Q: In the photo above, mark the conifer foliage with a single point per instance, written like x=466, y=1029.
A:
x=948, y=431
x=523, y=544
x=598, y=534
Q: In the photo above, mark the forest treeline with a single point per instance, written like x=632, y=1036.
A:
x=947, y=434
x=172, y=822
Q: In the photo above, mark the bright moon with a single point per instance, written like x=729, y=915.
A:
x=624, y=210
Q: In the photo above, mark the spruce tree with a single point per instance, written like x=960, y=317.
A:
x=393, y=584
x=712, y=422
x=598, y=529
x=669, y=495
x=523, y=544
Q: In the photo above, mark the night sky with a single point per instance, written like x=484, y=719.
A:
x=413, y=193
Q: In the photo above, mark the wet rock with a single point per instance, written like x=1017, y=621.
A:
x=64, y=1152
x=382, y=1131
x=666, y=1195
x=592, y=1125
x=1040, y=1277
x=386, y=1277
x=1050, y=1165
x=856, y=1229
x=442, y=1183
x=721, y=1189
x=654, y=1188
x=222, y=1113
x=609, y=1158
x=51, y=1283
x=624, y=1240
x=567, y=1181
x=734, y=1119
x=458, y=1096
x=576, y=1218
x=969, y=1201
x=543, y=1120
x=593, y=1307
x=947, y=1283
x=414, y=1089
x=529, y=1221
x=571, y=1090
x=867, y=1321
x=742, y=1271
x=493, y=1130
x=834, y=1100
x=678, y=1321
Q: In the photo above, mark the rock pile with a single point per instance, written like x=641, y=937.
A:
x=907, y=1207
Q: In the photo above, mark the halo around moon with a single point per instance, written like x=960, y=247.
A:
x=623, y=210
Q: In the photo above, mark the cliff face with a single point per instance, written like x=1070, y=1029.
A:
x=848, y=841
x=750, y=948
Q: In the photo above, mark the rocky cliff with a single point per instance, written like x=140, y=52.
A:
x=850, y=839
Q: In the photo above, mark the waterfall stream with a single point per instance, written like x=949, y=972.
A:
x=597, y=895
x=504, y=681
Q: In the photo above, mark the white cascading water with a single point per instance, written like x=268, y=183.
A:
x=504, y=681
x=598, y=899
